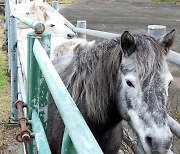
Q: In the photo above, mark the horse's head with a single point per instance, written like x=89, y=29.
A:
x=55, y=24
x=145, y=79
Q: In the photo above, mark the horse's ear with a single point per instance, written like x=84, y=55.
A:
x=76, y=47
x=45, y=15
x=167, y=40
x=127, y=43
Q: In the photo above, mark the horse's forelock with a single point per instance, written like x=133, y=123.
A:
x=150, y=56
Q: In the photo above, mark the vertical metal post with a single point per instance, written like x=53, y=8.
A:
x=55, y=5
x=8, y=23
x=14, y=67
x=67, y=145
x=156, y=30
x=81, y=24
x=40, y=136
x=37, y=89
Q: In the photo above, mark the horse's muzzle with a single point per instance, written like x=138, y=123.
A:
x=159, y=144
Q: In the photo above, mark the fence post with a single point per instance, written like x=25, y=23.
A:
x=37, y=89
x=6, y=21
x=12, y=50
x=67, y=145
x=81, y=24
x=158, y=31
x=55, y=5
x=8, y=24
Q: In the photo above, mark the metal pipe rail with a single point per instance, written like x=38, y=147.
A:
x=174, y=126
x=40, y=136
x=21, y=88
x=173, y=56
x=77, y=129
x=38, y=27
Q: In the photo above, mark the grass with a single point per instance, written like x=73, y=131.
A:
x=5, y=105
x=167, y=0
x=4, y=80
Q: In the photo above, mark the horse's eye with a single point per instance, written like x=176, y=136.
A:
x=52, y=25
x=129, y=83
x=169, y=83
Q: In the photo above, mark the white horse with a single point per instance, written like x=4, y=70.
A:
x=55, y=24
x=39, y=11
x=70, y=47
x=61, y=44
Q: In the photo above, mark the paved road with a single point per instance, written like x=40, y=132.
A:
x=120, y=15
x=135, y=16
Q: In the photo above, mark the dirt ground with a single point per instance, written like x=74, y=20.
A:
x=8, y=143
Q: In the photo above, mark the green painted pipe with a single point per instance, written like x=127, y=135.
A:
x=40, y=136
x=67, y=145
x=38, y=27
x=81, y=136
x=37, y=90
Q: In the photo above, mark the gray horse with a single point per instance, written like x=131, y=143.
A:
x=123, y=78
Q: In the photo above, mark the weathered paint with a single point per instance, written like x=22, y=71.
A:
x=40, y=136
x=67, y=145
x=12, y=49
x=37, y=90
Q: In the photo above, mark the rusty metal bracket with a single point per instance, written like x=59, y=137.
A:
x=39, y=28
x=25, y=134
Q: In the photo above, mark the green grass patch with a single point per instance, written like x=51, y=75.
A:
x=5, y=105
x=66, y=1
x=167, y=0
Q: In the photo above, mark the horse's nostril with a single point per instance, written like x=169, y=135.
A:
x=168, y=143
x=149, y=141
x=156, y=143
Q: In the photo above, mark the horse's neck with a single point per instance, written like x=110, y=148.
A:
x=94, y=79
x=101, y=128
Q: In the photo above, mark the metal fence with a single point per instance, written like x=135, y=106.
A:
x=33, y=91
x=34, y=97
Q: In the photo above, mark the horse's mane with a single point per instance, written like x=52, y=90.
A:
x=95, y=73
x=94, y=76
x=150, y=57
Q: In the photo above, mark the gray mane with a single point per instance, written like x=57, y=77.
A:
x=95, y=74
x=150, y=56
